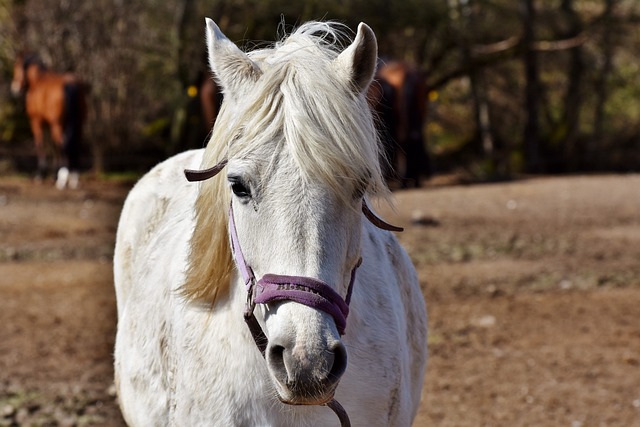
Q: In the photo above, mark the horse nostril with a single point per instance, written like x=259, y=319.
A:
x=339, y=362
x=276, y=356
x=291, y=370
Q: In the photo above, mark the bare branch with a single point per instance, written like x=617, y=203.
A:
x=501, y=46
x=554, y=45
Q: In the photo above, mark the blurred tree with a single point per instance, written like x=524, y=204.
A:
x=532, y=88
x=463, y=14
x=601, y=87
x=514, y=85
x=575, y=77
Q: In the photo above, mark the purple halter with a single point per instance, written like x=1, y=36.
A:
x=304, y=290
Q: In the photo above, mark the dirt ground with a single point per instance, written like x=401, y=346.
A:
x=532, y=286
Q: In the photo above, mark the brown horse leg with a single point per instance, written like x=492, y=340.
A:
x=36, y=129
x=61, y=161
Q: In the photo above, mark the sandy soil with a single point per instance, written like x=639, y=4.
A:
x=533, y=290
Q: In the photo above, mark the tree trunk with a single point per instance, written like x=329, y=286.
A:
x=483, y=139
x=573, y=153
x=601, y=90
x=531, y=139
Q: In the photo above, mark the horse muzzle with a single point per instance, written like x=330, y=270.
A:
x=305, y=375
x=306, y=371
x=16, y=89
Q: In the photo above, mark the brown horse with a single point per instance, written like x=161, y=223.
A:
x=57, y=101
x=210, y=99
x=398, y=95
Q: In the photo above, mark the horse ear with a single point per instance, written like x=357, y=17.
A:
x=358, y=61
x=230, y=66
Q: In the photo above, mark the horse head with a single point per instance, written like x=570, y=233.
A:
x=302, y=154
x=19, y=81
x=26, y=69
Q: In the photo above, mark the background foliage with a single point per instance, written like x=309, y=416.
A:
x=525, y=85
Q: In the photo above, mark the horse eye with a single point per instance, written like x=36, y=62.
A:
x=240, y=190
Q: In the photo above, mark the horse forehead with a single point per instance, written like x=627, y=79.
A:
x=296, y=190
x=286, y=195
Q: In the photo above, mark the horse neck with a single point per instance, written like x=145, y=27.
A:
x=34, y=74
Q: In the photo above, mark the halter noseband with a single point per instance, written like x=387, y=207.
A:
x=274, y=287
x=311, y=292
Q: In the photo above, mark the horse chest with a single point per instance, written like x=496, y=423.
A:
x=45, y=104
x=216, y=374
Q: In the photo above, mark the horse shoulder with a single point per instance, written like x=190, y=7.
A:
x=35, y=102
x=151, y=245
x=390, y=256
x=415, y=314
x=160, y=198
x=399, y=293
x=69, y=78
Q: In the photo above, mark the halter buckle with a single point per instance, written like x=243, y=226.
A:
x=250, y=305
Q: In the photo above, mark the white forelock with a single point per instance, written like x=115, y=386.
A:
x=301, y=103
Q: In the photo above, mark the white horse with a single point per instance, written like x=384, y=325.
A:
x=302, y=156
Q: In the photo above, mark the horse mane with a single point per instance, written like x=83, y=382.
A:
x=29, y=59
x=298, y=104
